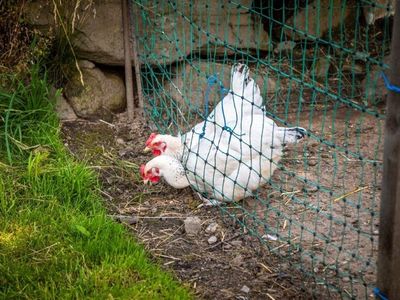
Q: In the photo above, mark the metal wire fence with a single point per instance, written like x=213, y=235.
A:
x=318, y=65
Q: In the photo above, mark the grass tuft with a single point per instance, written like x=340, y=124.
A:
x=56, y=241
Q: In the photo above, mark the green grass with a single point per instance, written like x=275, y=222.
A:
x=56, y=241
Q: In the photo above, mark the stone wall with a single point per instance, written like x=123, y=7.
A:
x=98, y=43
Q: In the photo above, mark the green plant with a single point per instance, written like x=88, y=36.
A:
x=61, y=61
x=56, y=241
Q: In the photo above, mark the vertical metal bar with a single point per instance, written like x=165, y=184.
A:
x=136, y=63
x=128, y=62
x=389, y=228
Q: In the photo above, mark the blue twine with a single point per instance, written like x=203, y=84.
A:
x=378, y=294
x=388, y=85
x=211, y=81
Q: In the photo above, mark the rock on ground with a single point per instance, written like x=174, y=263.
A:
x=102, y=94
x=212, y=228
x=212, y=239
x=192, y=225
x=64, y=109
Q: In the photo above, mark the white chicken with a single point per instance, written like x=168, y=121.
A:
x=236, y=155
x=239, y=101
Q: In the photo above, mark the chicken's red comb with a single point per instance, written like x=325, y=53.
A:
x=142, y=167
x=151, y=138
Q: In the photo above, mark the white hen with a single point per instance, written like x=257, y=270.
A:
x=227, y=165
x=243, y=96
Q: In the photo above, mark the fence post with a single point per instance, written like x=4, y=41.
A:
x=389, y=228
x=130, y=106
x=136, y=62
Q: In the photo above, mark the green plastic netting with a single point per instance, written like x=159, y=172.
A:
x=317, y=64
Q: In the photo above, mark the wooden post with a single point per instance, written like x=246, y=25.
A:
x=389, y=228
x=137, y=72
x=128, y=62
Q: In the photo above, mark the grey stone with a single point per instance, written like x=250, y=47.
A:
x=212, y=239
x=86, y=64
x=99, y=32
x=102, y=94
x=212, y=228
x=245, y=289
x=236, y=243
x=101, y=35
x=192, y=225
x=237, y=28
x=64, y=109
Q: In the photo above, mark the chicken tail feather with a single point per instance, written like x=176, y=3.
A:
x=290, y=135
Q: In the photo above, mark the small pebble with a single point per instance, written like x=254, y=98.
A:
x=312, y=162
x=236, y=243
x=212, y=228
x=120, y=141
x=192, y=225
x=245, y=289
x=212, y=240
x=269, y=237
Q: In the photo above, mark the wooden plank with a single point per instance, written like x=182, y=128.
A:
x=137, y=70
x=128, y=62
x=389, y=228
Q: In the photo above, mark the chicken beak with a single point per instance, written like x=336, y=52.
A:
x=147, y=149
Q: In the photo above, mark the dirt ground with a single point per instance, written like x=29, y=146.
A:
x=322, y=222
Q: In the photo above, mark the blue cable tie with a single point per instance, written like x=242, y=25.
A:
x=388, y=85
x=378, y=294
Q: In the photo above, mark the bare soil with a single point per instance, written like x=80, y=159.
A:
x=322, y=222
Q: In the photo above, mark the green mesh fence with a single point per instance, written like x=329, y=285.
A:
x=317, y=64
